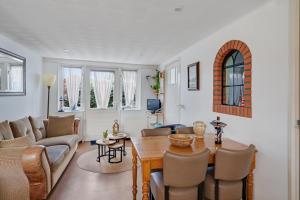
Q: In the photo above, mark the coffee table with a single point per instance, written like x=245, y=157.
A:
x=117, y=138
x=102, y=147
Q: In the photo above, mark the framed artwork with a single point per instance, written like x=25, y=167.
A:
x=194, y=76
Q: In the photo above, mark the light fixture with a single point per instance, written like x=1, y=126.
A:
x=178, y=9
x=48, y=80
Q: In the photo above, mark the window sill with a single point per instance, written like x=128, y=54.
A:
x=131, y=109
x=71, y=111
x=102, y=109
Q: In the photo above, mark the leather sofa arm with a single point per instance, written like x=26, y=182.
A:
x=76, y=125
x=37, y=169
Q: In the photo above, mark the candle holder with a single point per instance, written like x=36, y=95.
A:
x=219, y=128
x=61, y=104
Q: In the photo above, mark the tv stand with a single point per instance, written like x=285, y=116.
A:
x=154, y=119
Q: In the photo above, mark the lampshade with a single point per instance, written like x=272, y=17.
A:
x=49, y=79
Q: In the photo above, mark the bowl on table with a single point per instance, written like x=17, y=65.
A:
x=181, y=140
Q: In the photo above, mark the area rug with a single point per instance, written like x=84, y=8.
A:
x=87, y=161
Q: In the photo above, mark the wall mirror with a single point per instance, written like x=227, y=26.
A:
x=12, y=74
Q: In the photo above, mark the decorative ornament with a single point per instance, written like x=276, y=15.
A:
x=219, y=128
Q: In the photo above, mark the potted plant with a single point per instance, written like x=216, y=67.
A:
x=105, y=135
x=156, y=86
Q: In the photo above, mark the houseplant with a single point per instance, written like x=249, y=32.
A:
x=156, y=86
x=105, y=135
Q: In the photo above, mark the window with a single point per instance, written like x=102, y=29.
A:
x=72, y=87
x=172, y=78
x=102, y=89
x=233, y=79
x=232, y=92
x=129, y=89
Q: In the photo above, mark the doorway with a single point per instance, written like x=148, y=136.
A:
x=172, y=93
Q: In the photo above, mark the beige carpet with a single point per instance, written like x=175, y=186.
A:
x=87, y=161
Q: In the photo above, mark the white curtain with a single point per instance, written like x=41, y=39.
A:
x=73, y=83
x=129, y=86
x=103, y=84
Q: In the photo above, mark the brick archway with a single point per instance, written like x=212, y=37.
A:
x=246, y=109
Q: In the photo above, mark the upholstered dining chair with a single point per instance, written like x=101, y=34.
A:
x=228, y=180
x=185, y=130
x=156, y=132
x=182, y=178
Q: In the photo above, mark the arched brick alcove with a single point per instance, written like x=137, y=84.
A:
x=246, y=109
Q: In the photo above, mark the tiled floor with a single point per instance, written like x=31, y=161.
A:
x=78, y=184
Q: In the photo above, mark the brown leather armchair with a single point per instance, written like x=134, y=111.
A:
x=185, y=130
x=156, y=132
x=183, y=177
x=229, y=178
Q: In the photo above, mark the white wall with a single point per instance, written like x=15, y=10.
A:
x=15, y=107
x=96, y=121
x=265, y=31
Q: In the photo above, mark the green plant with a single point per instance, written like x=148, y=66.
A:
x=156, y=85
x=105, y=134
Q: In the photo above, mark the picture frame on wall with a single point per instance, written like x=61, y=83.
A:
x=194, y=76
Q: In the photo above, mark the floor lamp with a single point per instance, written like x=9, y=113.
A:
x=48, y=80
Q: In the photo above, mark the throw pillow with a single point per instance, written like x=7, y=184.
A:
x=37, y=127
x=22, y=127
x=58, y=126
x=5, y=131
x=24, y=141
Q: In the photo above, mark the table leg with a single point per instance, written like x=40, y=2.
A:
x=98, y=158
x=250, y=181
x=134, y=173
x=146, y=179
x=124, y=149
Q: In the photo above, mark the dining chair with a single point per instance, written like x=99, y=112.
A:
x=156, y=132
x=185, y=130
x=182, y=177
x=228, y=179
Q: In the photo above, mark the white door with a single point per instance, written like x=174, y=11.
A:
x=172, y=93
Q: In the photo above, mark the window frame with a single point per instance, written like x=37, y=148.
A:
x=233, y=66
x=88, y=86
x=138, y=90
x=61, y=87
x=246, y=109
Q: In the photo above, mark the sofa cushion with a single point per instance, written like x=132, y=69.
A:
x=37, y=127
x=56, y=155
x=58, y=126
x=5, y=131
x=22, y=127
x=69, y=140
x=24, y=141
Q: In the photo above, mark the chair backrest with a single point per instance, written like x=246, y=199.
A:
x=156, y=132
x=184, y=170
x=185, y=130
x=233, y=165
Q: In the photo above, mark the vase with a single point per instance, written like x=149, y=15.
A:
x=115, y=128
x=199, y=129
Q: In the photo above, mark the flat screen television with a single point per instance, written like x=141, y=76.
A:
x=153, y=105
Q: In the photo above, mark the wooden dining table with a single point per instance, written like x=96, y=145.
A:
x=149, y=151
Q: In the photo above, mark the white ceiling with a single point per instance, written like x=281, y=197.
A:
x=126, y=31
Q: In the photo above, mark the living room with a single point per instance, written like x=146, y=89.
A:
x=108, y=73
